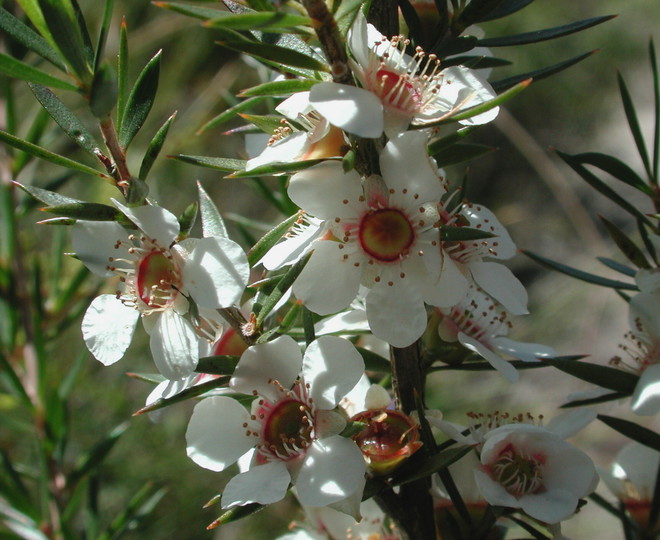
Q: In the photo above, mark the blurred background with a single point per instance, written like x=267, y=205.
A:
x=545, y=206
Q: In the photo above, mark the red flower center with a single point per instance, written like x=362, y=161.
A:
x=288, y=428
x=397, y=91
x=386, y=235
x=157, y=279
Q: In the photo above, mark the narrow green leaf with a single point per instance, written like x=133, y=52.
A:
x=461, y=152
x=616, y=168
x=275, y=169
x=46, y=155
x=633, y=123
x=476, y=62
x=633, y=431
x=47, y=197
x=68, y=35
x=34, y=135
x=193, y=391
x=279, y=88
x=281, y=288
x=275, y=53
x=187, y=220
x=122, y=72
x=86, y=210
x=212, y=222
x=103, y=93
x=579, y=274
x=198, y=12
x=594, y=401
x=20, y=70
x=543, y=35
x=266, y=123
x=457, y=45
x=271, y=238
x=626, y=245
x=506, y=7
x=234, y=514
x=373, y=361
x=232, y=112
x=409, y=473
x=103, y=34
x=140, y=101
x=33, y=11
x=220, y=164
x=656, y=124
x=139, y=507
x=539, y=74
x=648, y=243
x=217, y=365
x=463, y=234
x=68, y=121
x=27, y=37
x=538, y=535
x=97, y=454
x=273, y=21
x=14, y=488
x=600, y=186
x=618, y=267
x=155, y=146
x=451, y=139
x=603, y=376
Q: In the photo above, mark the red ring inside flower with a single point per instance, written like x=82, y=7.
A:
x=288, y=428
x=386, y=235
x=156, y=274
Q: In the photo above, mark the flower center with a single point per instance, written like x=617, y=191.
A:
x=518, y=473
x=397, y=91
x=386, y=234
x=157, y=279
x=288, y=428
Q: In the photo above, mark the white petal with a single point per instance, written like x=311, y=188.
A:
x=529, y=352
x=328, y=283
x=500, y=283
x=396, y=313
x=646, y=397
x=322, y=189
x=94, y=242
x=174, y=345
x=352, y=109
x=279, y=360
x=358, y=40
x=332, y=366
x=493, y=492
x=153, y=221
x=293, y=248
x=333, y=470
x=216, y=272
x=451, y=287
x=568, y=424
x=551, y=506
x=463, y=88
x=638, y=462
x=263, y=484
x=480, y=217
x=108, y=327
x=405, y=164
x=215, y=436
x=501, y=365
x=295, y=105
x=286, y=150
x=347, y=321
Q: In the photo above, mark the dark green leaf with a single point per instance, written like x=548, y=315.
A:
x=462, y=234
x=187, y=220
x=103, y=34
x=506, y=7
x=451, y=139
x=193, y=391
x=273, y=21
x=266, y=123
x=631, y=116
x=212, y=223
x=27, y=37
x=137, y=191
x=14, y=488
x=476, y=62
x=538, y=535
x=616, y=168
x=279, y=88
x=456, y=46
x=47, y=197
x=475, y=12
x=656, y=126
x=274, y=169
x=281, y=288
x=595, y=400
x=460, y=152
x=140, y=101
x=20, y=70
x=92, y=459
x=373, y=361
x=603, y=376
x=34, y=135
x=618, y=267
x=232, y=112
x=626, y=245
x=271, y=238
x=139, y=507
x=633, y=431
x=539, y=74
x=220, y=164
x=600, y=186
x=68, y=35
x=104, y=91
x=543, y=35
x=275, y=53
x=429, y=465
x=122, y=72
x=198, y=12
x=86, y=210
x=234, y=514
x=217, y=365
x=46, y=155
x=73, y=127
x=155, y=147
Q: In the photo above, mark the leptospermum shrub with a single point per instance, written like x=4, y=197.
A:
x=306, y=346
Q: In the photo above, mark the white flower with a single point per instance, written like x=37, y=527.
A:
x=292, y=425
x=481, y=324
x=385, y=238
x=158, y=276
x=532, y=468
x=317, y=140
x=397, y=89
